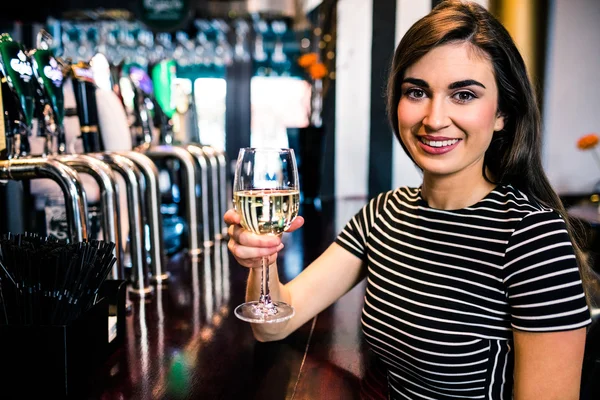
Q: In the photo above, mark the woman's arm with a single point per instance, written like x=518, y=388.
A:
x=548, y=365
x=324, y=281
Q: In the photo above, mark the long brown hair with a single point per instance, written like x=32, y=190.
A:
x=514, y=155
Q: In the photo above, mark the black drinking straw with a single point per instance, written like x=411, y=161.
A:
x=47, y=281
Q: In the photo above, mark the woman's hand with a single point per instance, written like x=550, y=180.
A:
x=248, y=248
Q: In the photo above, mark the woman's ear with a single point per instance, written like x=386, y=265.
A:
x=499, y=123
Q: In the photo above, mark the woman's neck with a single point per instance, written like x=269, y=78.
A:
x=454, y=192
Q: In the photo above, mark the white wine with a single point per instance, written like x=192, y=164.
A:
x=267, y=211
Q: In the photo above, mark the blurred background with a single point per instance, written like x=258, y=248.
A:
x=239, y=61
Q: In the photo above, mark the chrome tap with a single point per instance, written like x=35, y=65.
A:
x=68, y=180
x=134, y=186
x=152, y=214
x=190, y=177
x=224, y=197
x=219, y=184
x=105, y=178
x=216, y=214
x=201, y=159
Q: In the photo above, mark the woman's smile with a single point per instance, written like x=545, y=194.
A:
x=438, y=145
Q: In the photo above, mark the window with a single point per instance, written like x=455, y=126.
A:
x=209, y=95
x=277, y=103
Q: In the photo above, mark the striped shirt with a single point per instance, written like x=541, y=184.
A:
x=445, y=289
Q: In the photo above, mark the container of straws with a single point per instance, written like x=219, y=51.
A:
x=53, y=313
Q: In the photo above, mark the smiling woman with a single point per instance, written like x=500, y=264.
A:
x=447, y=115
x=474, y=275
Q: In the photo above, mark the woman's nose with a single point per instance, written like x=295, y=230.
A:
x=436, y=116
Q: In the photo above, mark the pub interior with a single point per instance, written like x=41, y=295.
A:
x=120, y=127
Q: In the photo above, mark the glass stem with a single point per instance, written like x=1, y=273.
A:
x=265, y=295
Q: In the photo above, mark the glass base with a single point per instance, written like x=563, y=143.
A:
x=256, y=313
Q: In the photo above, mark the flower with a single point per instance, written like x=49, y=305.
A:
x=308, y=59
x=588, y=141
x=311, y=64
x=317, y=70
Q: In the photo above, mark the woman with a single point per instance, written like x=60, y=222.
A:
x=473, y=286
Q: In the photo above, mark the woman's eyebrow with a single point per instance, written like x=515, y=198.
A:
x=453, y=85
x=465, y=83
x=415, y=81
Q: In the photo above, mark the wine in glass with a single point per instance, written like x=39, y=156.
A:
x=266, y=195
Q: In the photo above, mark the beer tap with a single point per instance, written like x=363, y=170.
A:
x=85, y=97
x=114, y=127
x=10, y=120
x=84, y=88
x=50, y=77
x=163, y=75
x=141, y=104
x=17, y=74
x=194, y=185
x=50, y=111
x=16, y=79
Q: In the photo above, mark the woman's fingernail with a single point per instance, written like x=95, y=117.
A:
x=280, y=247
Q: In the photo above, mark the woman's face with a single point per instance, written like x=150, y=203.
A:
x=447, y=112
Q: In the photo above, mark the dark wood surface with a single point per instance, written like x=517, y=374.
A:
x=185, y=342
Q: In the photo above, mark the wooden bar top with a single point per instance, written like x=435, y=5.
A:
x=185, y=342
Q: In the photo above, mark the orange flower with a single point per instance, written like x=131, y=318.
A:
x=588, y=141
x=317, y=71
x=308, y=59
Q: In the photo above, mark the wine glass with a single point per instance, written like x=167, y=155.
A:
x=266, y=195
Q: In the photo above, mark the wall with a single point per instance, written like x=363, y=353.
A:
x=572, y=94
x=353, y=90
x=368, y=159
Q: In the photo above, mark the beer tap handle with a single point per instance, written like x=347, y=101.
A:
x=163, y=76
x=84, y=88
x=18, y=74
x=10, y=118
x=44, y=118
x=50, y=77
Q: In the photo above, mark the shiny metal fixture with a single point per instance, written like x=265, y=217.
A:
x=134, y=186
x=152, y=214
x=190, y=178
x=68, y=180
x=105, y=178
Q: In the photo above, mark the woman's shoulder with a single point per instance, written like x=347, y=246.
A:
x=510, y=198
x=524, y=210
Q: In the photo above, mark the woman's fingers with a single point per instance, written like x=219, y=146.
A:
x=246, y=252
x=252, y=256
x=296, y=223
x=231, y=217
x=247, y=238
x=249, y=248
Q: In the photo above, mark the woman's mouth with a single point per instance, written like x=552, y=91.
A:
x=437, y=145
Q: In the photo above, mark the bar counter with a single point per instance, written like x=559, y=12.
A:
x=186, y=343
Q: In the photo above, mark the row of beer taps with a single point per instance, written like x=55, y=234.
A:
x=123, y=155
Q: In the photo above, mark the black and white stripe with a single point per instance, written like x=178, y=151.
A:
x=446, y=289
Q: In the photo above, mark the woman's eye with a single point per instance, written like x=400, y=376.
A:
x=415, y=93
x=464, y=97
